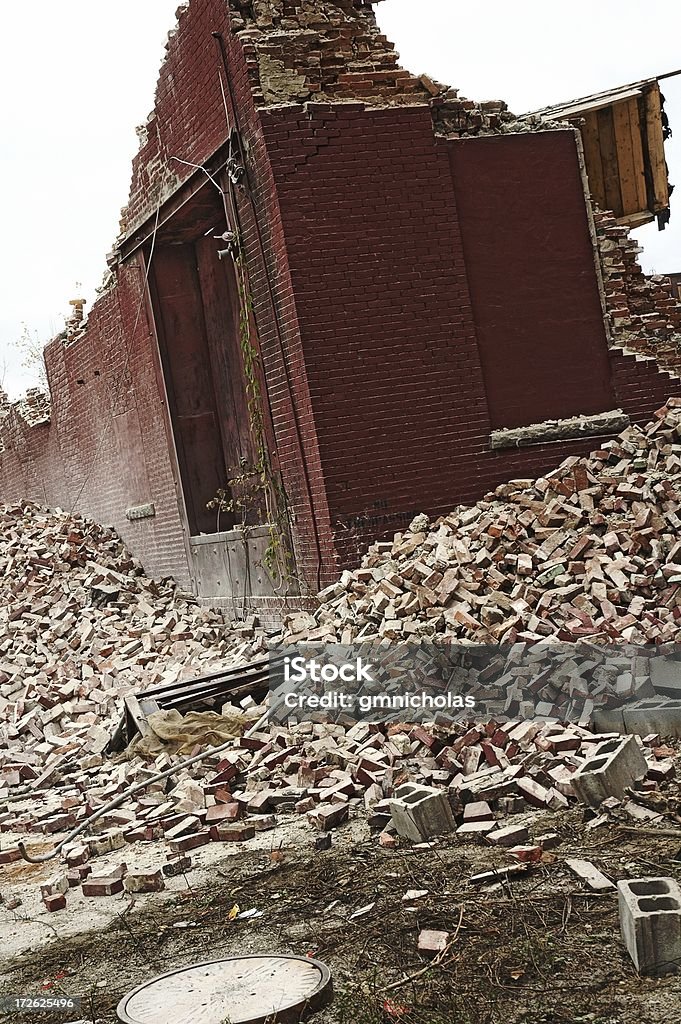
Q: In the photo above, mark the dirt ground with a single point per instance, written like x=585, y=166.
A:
x=539, y=950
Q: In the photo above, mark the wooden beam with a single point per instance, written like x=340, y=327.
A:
x=658, y=164
x=635, y=220
x=639, y=159
x=593, y=160
x=611, y=171
x=625, y=158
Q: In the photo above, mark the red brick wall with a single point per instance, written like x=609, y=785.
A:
x=105, y=448
x=108, y=444
x=382, y=303
x=188, y=120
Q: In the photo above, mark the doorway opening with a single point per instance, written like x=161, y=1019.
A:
x=195, y=300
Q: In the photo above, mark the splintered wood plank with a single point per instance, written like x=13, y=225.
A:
x=639, y=159
x=628, y=171
x=658, y=164
x=611, y=172
x=594, y=162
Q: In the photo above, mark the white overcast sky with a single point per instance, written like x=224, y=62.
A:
x=77, y=76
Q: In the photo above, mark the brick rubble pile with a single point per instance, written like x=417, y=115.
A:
x=81, y=627
x=493, y=783
x=589, y=551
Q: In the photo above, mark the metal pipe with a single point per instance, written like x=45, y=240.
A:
x=42, y=858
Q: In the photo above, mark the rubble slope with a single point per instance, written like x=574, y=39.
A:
x=81, y=626
x=590, y=550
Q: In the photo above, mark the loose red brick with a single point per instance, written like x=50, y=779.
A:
x=102, y=886
x=56, y=901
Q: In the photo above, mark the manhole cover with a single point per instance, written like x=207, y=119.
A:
x=240, y=990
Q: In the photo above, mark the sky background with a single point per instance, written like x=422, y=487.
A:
x=77, y=78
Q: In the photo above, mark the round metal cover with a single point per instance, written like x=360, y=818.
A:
x=240, y=990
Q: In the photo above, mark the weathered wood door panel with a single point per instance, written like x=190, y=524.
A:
x=185, y=355
x=221, y=313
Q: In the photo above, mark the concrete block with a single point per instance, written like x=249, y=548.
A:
x=665, y=675
x=420, y=812
x=590, y=875
x=650, y=922
x=653, y=715
x=617, y=764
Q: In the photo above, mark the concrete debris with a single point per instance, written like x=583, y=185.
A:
x=650, y=921
x=432, y=942
x=420, y=812
x=616, y=764
x=589, y=874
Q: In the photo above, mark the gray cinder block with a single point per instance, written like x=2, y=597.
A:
x=650, y=922
x=420, y=812
x=616, y=765
x=660, y=715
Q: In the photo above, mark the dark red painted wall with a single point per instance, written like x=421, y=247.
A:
x=529, y=259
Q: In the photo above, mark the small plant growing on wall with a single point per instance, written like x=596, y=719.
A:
x=242, y=497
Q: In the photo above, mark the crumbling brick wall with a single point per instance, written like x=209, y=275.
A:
x=643, y=312
x=320, y=51
x=101, y=446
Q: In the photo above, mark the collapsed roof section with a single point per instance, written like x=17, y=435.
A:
x=623, y=132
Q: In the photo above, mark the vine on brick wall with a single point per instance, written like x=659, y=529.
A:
x=264, y=486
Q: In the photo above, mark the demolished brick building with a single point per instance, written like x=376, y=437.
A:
x=360, y=294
